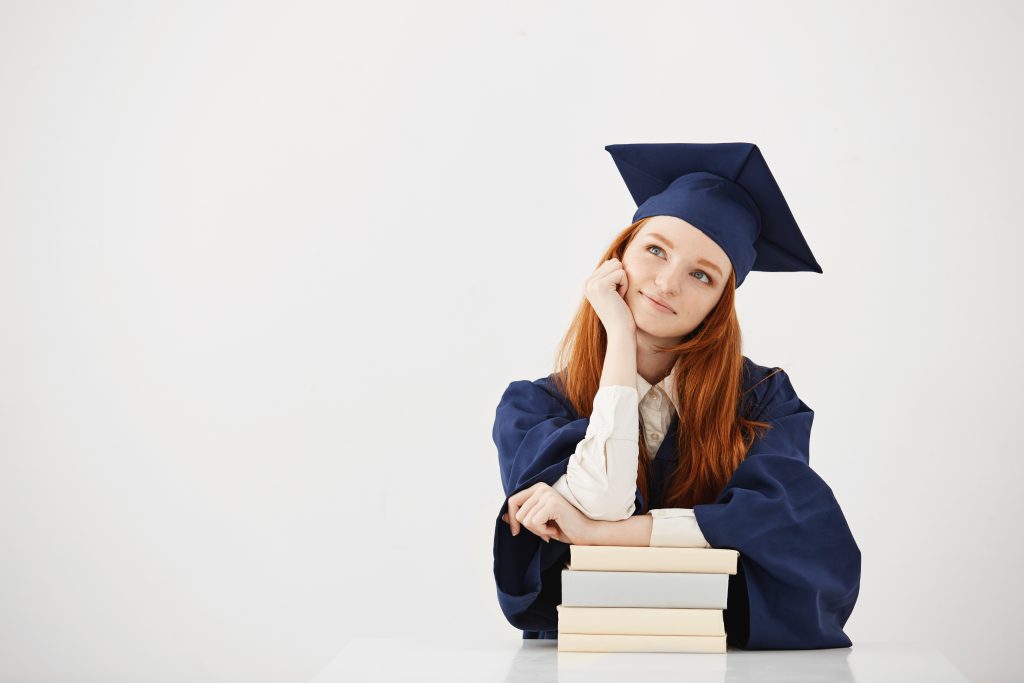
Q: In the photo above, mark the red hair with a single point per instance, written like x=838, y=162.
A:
x=713, y=435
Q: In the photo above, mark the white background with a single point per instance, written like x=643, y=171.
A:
x=266, y=269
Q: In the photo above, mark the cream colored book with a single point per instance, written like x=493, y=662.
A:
x=618, y=558
x=585, y=642
x=641, y=621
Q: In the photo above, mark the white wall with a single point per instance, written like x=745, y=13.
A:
x=265, y=270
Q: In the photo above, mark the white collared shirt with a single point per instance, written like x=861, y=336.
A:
x=601, y=477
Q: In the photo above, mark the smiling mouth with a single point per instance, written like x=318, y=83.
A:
x=654, y=303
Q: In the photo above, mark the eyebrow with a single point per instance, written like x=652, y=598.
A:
x=702, y=261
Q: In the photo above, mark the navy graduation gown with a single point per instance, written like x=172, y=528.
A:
x=799, y=571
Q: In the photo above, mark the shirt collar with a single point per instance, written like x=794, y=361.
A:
x=666, y=385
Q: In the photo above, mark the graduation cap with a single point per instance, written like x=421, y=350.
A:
x=726, y=191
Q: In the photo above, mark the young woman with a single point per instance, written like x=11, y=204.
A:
x=656, y=430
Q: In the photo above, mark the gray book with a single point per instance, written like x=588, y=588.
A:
x=644, y=589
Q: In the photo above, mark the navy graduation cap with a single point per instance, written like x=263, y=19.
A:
x=726, y=191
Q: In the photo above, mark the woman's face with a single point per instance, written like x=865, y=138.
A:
x=677, y=264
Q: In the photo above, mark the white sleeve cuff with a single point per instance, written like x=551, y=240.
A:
x=676, y=528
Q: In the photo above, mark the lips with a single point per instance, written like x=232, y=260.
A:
x=658, y=303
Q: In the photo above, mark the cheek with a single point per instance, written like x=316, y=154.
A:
x=708, y=305
x=632, y=267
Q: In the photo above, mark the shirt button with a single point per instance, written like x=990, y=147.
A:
x=653, y=435
x=654, y=396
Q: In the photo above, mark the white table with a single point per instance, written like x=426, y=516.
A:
x=393, y=660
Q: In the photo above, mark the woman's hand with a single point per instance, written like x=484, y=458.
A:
x=544, y=511
x=606, y=291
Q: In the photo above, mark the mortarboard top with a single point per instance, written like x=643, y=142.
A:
x=723, y=189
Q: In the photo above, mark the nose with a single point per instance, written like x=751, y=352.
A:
x=665, y=281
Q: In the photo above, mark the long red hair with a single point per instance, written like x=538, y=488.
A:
x=713, y=435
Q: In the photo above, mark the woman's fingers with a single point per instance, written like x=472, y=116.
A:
x=510, y=516
x=536, y=520
x=612, y=278
x=520, y=506
x=513, y=529
x=536, y=513
x=514, y=503
x=524, y=510
x=609, y=273
x=526, y=514
x=622, y=284
x=604, y=269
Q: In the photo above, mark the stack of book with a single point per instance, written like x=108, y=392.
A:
x=644, y=599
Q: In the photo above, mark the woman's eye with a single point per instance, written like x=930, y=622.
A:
x=655, y=246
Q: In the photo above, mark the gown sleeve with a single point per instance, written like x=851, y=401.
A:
x=799, y=570
x=536, y=431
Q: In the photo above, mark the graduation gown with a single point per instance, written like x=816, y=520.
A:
x=799, y=568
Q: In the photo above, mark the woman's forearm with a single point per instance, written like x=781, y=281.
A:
x=620, y=360
x=635, y=530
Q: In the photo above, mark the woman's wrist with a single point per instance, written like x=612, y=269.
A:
x=620, y=360
x=633, y=531
x=622, y=337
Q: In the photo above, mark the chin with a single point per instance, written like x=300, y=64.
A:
x=649, y=331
